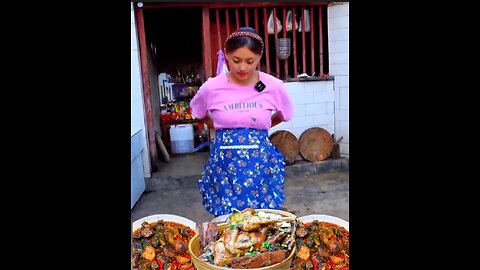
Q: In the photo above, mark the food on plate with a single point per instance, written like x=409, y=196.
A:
x=162, y=245
x=321, y=245
x=249, y=239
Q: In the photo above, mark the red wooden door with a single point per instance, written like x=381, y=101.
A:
x=217, y=45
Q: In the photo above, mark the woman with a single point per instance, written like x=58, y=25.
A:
x=244, y=168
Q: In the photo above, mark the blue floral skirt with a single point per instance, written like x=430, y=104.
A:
x=244, y=169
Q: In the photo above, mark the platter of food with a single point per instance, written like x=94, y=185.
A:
x=255, y=239
x=167, y=217
x=322, y=242
x=325, y=218
x=161, y=242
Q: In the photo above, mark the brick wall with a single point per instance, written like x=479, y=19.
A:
x=313, y=104
x=338, y=44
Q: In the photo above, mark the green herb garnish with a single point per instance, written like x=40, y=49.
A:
x=266, y=245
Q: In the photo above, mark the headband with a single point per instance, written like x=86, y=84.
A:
x=244, y=34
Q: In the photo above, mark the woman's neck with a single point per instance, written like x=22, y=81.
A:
x=251, y=81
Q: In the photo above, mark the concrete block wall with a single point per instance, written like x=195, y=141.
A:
x=313, y=103
x=338, y=46
x=137, y=106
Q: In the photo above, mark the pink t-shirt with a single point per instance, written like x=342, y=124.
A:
x=234, y=106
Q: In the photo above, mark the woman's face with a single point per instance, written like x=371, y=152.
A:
x=242, y=64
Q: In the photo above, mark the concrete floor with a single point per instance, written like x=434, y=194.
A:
x=310, y=188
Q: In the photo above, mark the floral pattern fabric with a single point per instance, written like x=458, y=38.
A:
x=244, y=169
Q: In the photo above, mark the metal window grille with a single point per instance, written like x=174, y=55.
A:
x=309, y=50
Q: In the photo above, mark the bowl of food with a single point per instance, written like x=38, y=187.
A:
x=322, y=242
x=325, y=218
x=161, y=242
x=260, y=239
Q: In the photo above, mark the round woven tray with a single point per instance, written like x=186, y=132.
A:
x=316, y=144
x=287, y=143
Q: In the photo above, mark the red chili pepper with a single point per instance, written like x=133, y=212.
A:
x=160, y=264
x=330, y=263
x=315, y=263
